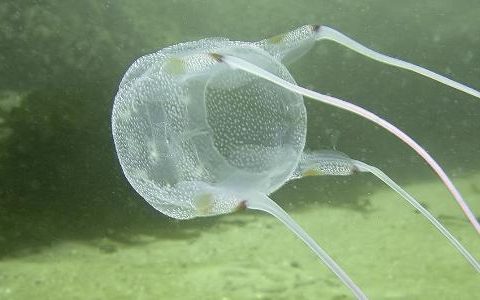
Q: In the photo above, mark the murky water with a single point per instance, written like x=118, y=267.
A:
x=71, y=226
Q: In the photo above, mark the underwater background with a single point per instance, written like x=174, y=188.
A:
x=71, y=227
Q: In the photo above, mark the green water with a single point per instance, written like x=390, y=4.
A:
x=72, y=228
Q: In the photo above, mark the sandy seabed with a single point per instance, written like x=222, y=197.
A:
x=389, y=250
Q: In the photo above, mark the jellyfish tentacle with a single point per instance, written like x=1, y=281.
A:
x=241, y=64
x=327, y=33
x=334, y=163
x=290, y=46
x=264, y=203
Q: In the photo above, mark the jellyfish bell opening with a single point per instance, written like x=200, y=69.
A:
x=257, y=128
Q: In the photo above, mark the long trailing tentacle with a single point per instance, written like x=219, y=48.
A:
x=264, y=203
x=325, y=32
x=334, y=163
x=241, y=64
x=290, y=46
x=363, y=167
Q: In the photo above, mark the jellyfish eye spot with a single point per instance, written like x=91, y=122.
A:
x=174, y=66
x=312, y=172
x=203, y=203
x=277, y=39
